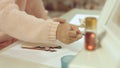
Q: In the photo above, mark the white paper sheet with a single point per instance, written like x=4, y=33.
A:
x=43, y=57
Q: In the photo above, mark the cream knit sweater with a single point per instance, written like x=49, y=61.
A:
x=27, y=20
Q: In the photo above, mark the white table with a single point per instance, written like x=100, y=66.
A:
x=8, y=61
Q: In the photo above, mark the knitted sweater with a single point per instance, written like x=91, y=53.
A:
x=27, y=20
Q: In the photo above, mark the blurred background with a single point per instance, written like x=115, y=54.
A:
x=59, y=7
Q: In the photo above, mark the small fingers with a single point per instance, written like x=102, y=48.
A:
x=73, y=27
x=73, y=39
x=60, y=20
x=73, y=34
x=79, y=36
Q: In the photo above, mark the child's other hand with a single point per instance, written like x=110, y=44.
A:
x=60, y=20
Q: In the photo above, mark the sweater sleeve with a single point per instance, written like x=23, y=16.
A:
x=26, y=27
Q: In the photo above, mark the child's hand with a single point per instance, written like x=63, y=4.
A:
x=57, y=19
x=68, y=33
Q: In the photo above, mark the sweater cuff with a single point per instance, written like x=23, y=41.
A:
x=53, y=29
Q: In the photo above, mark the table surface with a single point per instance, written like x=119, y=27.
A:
x=26, y=64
